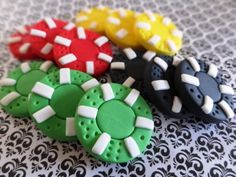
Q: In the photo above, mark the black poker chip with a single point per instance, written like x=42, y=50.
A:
x=159, y=84
x=203, y=91
x=128, y=68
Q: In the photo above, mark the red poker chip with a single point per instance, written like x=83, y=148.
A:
x=43, y=34
x=83, y=50
x=20, y=45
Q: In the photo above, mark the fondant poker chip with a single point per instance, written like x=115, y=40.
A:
x=93, y=19
x=128, y=68
x=160, y=88
x=54, y=99
x=43, y=34
x=158, y=33
x=113, y=123
x=120, y=28
x=203, y=91
x=83, y=50
x=20, y=45
x=16, y=87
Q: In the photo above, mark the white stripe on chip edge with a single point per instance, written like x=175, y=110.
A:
x=143, y=25
x=226, y=108
x=93, y=25
x=81, y=19
x=132, y=97
x=87, y=112
x=25, y=67
x=130, y=53
x=62, y=41
x=65, y=76
x=10, y=97
x=132, y=146
x=68, y=58
x=45, y=66
x=212, y=70
x=193, y=62
x=50, y=23
x=166, y=21
x=160, y=85
x=89, y=84
x=207, y=105
x=47, y=48
x=154, y=40
x=101, y=144
x=14, y=39
x=70, y=126
x=171, y=45
x=177, y=60
x=107, y=92
x=121, y=33
x=22, y=30
x=148, y=55
x=177, y=105
x=160, y=62
x=177, y=33
x=7, y=82
x=225, y=89
x=144, y=122
x=38, y=33
x=89, y=67
x=186, y=78
x=81, y=33
x=129, y=82
x=24, y=48
x=69, y=26
x=44, y=114
x=150, y=15
x=101, y=41
x=118, y=65
x=104, y=57
x=113, y=20
x=122, y=12
x=43, y=90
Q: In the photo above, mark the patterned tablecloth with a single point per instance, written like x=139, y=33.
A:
x=178, y=147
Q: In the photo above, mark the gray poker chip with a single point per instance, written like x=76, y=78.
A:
x=203, y=91
x=128, y=68
x=159, y=85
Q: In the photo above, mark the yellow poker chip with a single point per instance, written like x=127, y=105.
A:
x=120, y=28
x=93, y=19
x=158, y=33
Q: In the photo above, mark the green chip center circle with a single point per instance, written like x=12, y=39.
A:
x=65, y=100
x=116, y=118
x=27, y=81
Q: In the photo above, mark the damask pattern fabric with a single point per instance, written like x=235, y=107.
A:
x=178, y=147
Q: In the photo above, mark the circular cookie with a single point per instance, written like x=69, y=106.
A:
x=54, y=99
x=128, y=68
x=43, y=34
x=93, y=19
x=120, y=28
x=113, y=123
x=18, y=84
x=83, y=50
x=158, y=33
x=203, y=91
x=159, y=85
x=20, y=45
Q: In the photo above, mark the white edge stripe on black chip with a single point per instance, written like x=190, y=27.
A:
x=177, y=60
x=87, y=112
x=212, y=70
x=38, y=33
x=7, y=82
x=43, y=90
x=50, y=23
x=68, y=58
x=161, y=63
x=132, y=97
x=101, y=144
x=44, y=114
x=89, y=84
x=143, y=122
x=189, y=79
x=101, y=41
x=107, y=91
x=177, y=105
x=47, y=48
x=25, y=67
x=227, y=109
x=148, y=55
x=104, y=57
x=130, y=53
x=70, y=126
x=193, y=62
x=132, y=146
x=207, y=105
x=160, y=85
x=118, y=65
x=129, y=82
x=225, y=89
x=45, y=66
x=65, y=76
x=10, y=97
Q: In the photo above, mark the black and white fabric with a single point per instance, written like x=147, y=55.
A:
x=178, y=147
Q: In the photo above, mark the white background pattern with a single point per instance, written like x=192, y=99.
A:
x=178, y=147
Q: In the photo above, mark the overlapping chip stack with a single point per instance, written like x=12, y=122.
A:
x=112, y=121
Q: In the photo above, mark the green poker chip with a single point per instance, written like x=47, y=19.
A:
x=15, y=88
x=113, y=122
x=54, y=99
